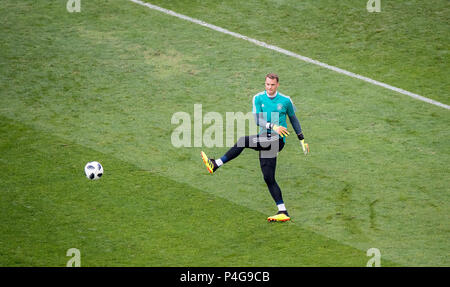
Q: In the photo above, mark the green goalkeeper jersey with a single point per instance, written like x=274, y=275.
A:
x=274, y=109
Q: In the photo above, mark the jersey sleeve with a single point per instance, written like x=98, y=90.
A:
x=291, y=109
x=256, y=105
x=295, y=124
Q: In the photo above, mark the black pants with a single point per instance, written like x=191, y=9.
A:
x=268, y=147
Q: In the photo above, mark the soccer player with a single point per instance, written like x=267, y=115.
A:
x=270, y=109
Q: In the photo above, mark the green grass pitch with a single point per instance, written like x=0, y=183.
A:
x=104, y=83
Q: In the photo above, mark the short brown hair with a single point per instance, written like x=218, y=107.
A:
x=272, y=76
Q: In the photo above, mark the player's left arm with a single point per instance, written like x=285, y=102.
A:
x=297, y=127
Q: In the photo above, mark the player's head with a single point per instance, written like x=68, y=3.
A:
x=271, y=83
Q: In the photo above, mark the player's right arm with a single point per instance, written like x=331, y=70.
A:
x=261, y=121
x=258, y=113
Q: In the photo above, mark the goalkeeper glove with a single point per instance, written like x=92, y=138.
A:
x=305, y=146
x=282, y=131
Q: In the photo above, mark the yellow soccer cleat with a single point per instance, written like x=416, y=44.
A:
x=282, y=217
x=211, y=165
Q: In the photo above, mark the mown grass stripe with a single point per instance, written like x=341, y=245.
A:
x=292, y=54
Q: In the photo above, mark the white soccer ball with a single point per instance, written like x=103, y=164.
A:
x=93, y=170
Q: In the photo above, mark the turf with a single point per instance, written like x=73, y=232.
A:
x=129, y=219
x=406, y=45
x=103, y=85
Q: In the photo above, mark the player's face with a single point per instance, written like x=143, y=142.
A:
x=271, y=86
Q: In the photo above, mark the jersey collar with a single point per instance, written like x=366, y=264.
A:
x=267, y=95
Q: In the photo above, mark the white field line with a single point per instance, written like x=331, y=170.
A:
x=291, y=54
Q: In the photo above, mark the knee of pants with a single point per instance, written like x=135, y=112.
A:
x=269, y=179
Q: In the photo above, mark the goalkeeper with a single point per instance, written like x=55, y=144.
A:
x=270, y=109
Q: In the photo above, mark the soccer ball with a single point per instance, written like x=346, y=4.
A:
x=93, y=170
